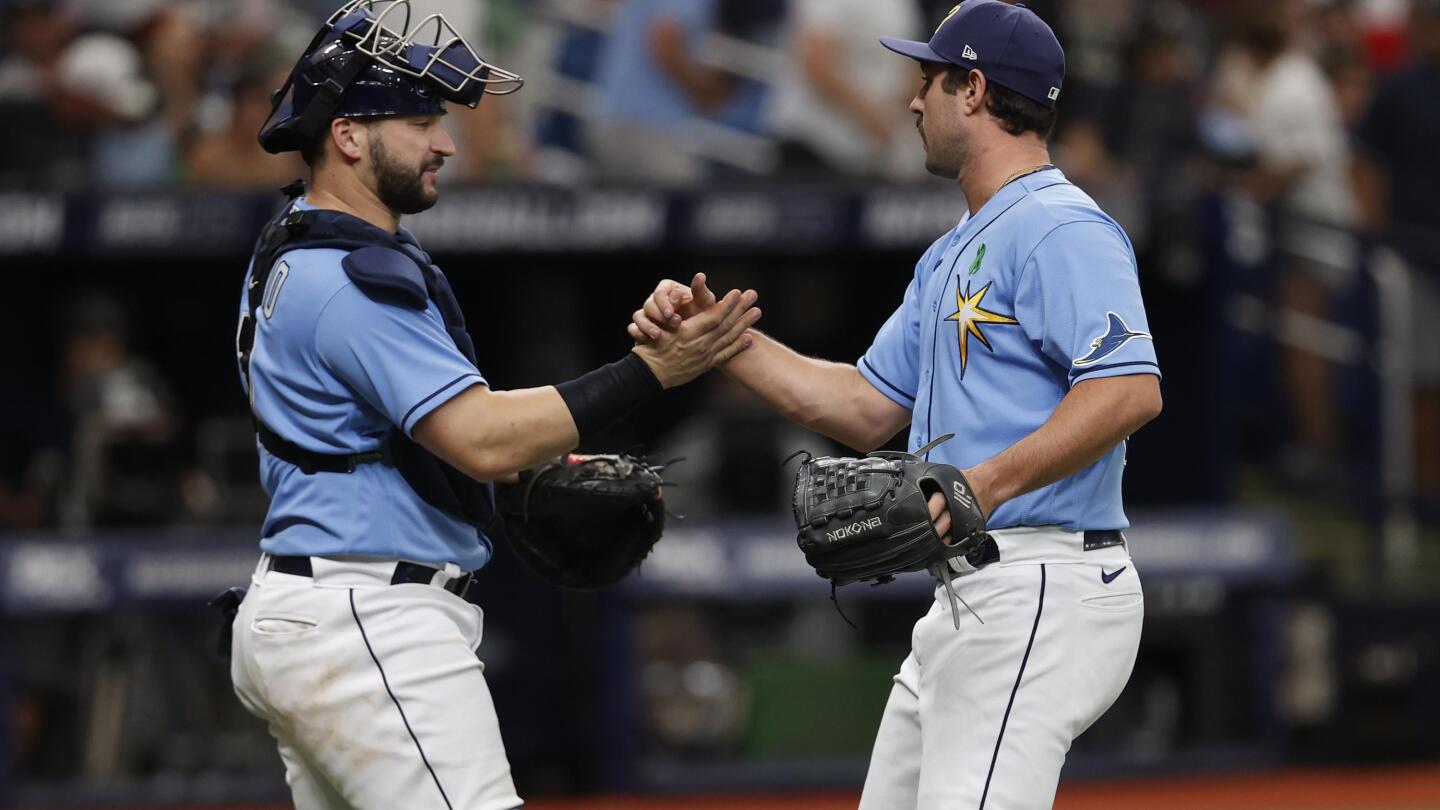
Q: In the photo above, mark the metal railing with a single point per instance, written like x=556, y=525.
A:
x=1389, y=354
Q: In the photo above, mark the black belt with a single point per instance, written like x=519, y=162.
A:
x=989, y=551
x=1103, y=539
x=406, y=573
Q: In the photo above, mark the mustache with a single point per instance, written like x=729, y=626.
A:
x=434, y=163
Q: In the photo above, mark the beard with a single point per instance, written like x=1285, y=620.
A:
x=944, y=157
x=402, y=188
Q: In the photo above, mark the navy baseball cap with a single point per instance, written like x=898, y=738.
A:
x=1007, y=42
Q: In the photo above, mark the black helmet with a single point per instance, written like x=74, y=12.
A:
x=362, y=64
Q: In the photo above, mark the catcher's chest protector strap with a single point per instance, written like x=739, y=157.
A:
x=386, y=268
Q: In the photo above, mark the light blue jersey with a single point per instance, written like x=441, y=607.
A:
x=1034, y=293
x=333, y=370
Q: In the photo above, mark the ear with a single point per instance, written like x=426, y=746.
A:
x=974, y=97
x=349, y=137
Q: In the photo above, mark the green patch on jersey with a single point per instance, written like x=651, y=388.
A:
x=979, y=257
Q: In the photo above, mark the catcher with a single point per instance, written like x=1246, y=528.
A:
x=356, y=641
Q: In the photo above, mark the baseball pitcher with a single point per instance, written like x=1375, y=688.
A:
x=1022, y=332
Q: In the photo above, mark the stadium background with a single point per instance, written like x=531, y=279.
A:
x=1285, y=504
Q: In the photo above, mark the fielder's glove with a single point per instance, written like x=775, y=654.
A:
x=584, y=522
x=867, y=519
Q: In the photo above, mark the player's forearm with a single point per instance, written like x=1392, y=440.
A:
x=827, y=397
x=1094, y=417
x=491, y=434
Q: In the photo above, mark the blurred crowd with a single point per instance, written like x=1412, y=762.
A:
x=1312, y=121
x=125, y=94
x=144, y=94
x=109, y=95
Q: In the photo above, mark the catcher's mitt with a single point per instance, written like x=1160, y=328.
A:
x=584, y=522
x=867, y=519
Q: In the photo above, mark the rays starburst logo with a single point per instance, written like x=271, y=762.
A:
x=969, y=316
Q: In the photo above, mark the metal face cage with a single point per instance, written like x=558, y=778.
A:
x=430, y=49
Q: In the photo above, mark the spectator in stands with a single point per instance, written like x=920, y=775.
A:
x=1130, y=141
x=128, y=85
x=489, y=146
x=654, y=89
x=1304, y=173
x=1399, y=137
x=1333, y=26
x=42, y=144
x=125, y=459
x=231, y=158
x=842, y=106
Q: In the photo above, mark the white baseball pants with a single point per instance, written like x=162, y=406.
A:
x=373, y=691
x=981, y=717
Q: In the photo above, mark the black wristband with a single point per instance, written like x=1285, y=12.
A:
x=600, y=398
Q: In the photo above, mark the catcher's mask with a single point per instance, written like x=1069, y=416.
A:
x=368, y=61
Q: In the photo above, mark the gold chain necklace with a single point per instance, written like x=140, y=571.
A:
x=1016, y=176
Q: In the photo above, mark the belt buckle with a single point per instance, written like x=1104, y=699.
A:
x=457, y=579
x=461, y=584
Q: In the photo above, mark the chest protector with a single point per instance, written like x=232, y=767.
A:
x=387, y=268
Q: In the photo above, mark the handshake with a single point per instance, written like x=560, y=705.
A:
x=682, y=332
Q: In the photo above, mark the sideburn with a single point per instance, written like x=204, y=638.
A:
x=955, y=78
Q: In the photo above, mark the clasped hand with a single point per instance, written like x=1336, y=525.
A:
x=700, y=332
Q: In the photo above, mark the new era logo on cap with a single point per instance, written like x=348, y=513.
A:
x=969, y=53
x=1053, y=94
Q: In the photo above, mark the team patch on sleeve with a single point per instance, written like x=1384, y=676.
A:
x=1116, y=335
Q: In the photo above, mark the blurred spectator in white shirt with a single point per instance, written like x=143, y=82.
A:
x=126, y=459
x=842, y=106
x=1303, y=171
x=1301, y=139
x=142, y=63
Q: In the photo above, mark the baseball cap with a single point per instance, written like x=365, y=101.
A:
x=1007, y=42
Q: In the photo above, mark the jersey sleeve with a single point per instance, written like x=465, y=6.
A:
x=400, y=361
x=1079, y=300
x=892, y=362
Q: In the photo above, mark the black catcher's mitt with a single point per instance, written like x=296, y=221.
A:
x=584, y=522
x=867, y=519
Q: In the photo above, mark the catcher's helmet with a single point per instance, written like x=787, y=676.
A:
x=365, y=62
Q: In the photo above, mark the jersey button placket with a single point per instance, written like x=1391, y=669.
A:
x=920, y=420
